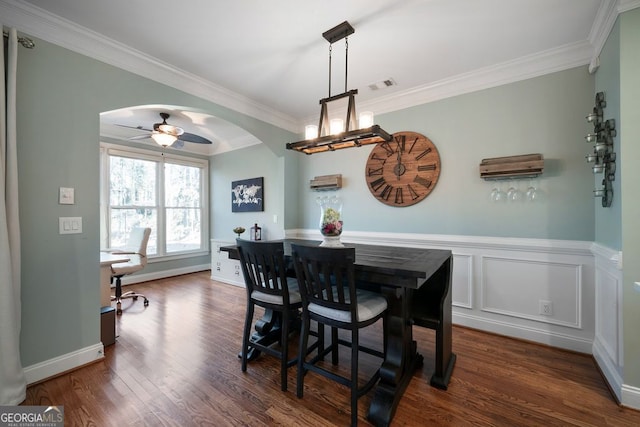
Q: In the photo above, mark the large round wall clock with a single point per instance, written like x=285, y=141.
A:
x=403, y=171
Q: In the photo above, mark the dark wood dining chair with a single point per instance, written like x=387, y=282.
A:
x=329, y=296
x=268, y=286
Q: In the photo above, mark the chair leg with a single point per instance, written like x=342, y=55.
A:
x=302, y=352
x=334, y=346
x=134, y=295
x=320, y=339
x=354, y=377
x=245, y=335
x=118, y=295
x=284, y=350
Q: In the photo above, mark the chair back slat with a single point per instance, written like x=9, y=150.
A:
x=326, y=276
x=263, y=267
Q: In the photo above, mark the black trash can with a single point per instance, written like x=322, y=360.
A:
x=107, y=325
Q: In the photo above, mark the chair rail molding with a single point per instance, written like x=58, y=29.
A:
x=499, y=283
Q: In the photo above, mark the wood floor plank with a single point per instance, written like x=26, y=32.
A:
x=175, y=364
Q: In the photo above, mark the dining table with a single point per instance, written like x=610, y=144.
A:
x=417, y=285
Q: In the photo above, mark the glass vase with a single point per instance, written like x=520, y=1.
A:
x=330, y=220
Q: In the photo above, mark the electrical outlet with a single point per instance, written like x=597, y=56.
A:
x=546, y=307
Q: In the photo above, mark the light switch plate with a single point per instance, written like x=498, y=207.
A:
x=67, y=196
x=70, y=224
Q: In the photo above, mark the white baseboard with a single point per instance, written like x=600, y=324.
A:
x=523, y=332
x=145, y=277
x=66, y=362
x=631, y=396
x=608, y=369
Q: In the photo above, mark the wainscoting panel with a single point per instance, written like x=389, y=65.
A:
x=497, y=283
x=462, y=281
x=607, y=322
x=519, y=288
x=607, y=343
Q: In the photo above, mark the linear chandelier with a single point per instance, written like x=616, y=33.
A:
x=337, y=134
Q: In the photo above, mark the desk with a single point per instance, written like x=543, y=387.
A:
x=106, y=260
x=417, y=285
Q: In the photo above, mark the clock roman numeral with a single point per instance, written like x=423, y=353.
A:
x=430, y=167
x=378, y=183
x=399, y=198
x=400, y=140
x=414, y=194
x=376, y=171
x=384, y=194
x=413, y=144
x=424, y=153
x=387, y=148
x=422, y=181
x=375, y=157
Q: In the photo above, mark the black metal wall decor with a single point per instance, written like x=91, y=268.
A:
x=603, y=156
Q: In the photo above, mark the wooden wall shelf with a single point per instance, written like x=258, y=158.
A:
x=326, y=182
x=522, y=166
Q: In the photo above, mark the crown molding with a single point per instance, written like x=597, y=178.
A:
x=39, y=23
x=626, y=5
x=558, y=59
x=602, y=25
x=51, y=28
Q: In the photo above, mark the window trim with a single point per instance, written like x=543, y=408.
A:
x=109, y=149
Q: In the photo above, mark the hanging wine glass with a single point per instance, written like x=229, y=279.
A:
x=497, y=194
x=517, y=195
x=532, y=191
x=512, y=191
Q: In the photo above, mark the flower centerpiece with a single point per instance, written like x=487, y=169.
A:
x=330, y=220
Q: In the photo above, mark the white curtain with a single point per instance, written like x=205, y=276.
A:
x=13, y=384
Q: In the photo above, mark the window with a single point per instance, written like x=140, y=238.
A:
x=168, y=193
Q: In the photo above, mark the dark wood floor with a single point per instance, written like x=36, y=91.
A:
x=175, y=364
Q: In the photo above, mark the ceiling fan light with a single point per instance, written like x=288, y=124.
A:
x=170, y=129
x=163, y=139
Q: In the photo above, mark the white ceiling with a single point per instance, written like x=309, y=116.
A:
x=269, y=59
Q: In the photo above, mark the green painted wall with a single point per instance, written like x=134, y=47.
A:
x=60, y=96
x=252, y=162
x=608, y=220
x=630, y=176
x=543, y=115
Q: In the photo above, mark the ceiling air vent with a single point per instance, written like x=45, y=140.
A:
x=382, y=84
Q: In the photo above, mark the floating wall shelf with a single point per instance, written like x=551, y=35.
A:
x=326, y=182
x=522, y=166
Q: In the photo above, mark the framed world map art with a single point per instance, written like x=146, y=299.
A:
x=247, y=195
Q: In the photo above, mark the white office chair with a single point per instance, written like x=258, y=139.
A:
x=136, y=250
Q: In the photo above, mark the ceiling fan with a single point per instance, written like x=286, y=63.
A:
x=168, y=135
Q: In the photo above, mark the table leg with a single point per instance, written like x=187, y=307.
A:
x=431, y=308
x=267, y=330
x=401, y=361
